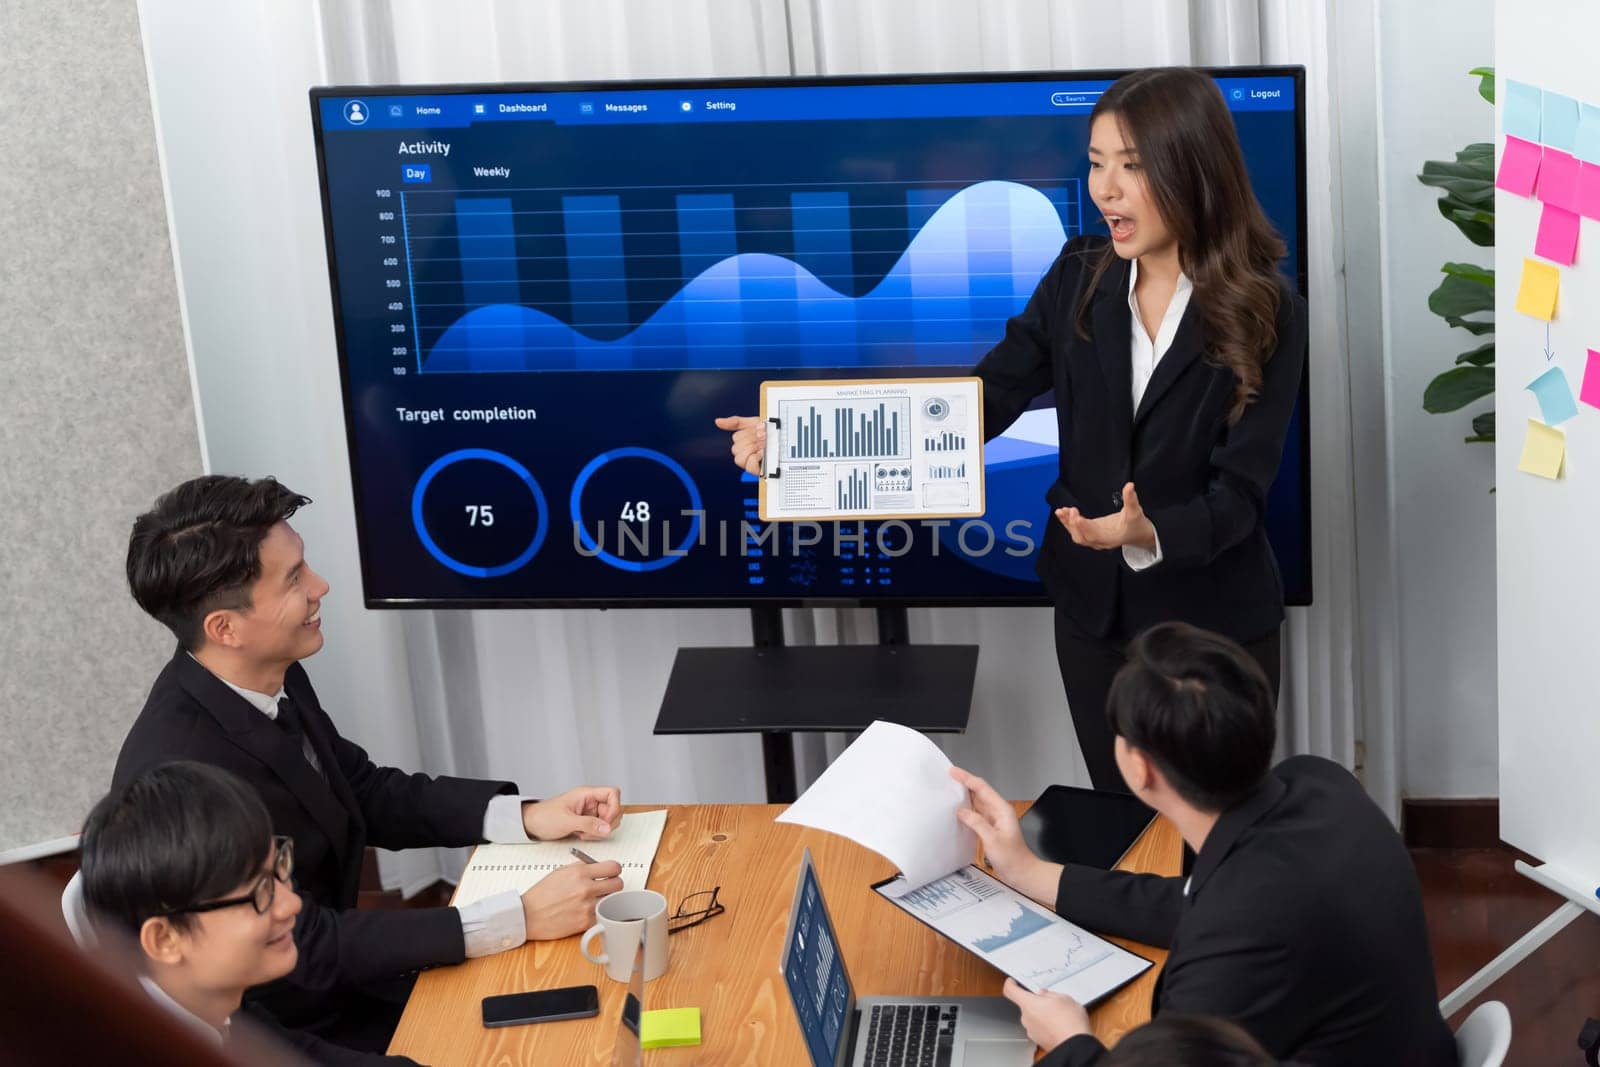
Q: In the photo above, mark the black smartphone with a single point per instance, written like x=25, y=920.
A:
x=541, y=1006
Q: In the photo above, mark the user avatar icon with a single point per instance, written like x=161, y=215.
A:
x=355, y=113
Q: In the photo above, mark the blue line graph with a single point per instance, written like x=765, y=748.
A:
x=503, y=287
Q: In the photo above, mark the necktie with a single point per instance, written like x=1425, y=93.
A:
x=289, y=718
x=290, y=722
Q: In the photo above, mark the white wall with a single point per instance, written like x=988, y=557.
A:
x=1549, y=576
x=96, y=416
x=1444, y=513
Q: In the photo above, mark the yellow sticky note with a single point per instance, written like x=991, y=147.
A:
x=1536, y=295
x=1543, y=451
x=669, y=1028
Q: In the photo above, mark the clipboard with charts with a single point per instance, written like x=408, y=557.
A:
x=872, y=448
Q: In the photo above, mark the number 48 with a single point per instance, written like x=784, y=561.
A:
x=636, y=511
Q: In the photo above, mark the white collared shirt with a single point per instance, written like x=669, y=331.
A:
x=1146, y=352
x=490, y=925
x=181, y=1013
x=268, y=706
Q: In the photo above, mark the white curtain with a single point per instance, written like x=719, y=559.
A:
x=551, y=698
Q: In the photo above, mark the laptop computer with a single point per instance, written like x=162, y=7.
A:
x=842, y=1031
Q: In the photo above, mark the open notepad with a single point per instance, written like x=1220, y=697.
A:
x=891, y=791
x=498, y=868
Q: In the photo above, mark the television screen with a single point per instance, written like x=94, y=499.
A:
x=544, y=295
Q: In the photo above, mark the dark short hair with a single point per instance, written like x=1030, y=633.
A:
x=198, y=550
x=177, y=835
x=1180, y=1040
x=1201, y=708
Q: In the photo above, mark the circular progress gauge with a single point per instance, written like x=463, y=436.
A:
x=636, y=509
x=480, y=513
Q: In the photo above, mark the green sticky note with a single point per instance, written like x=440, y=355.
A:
x=669, y=1028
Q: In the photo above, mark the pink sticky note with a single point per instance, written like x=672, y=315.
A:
x=1519, y=166
x=1558, y=235
x=1558, y=179
x=1590, y=392
x=1589, y=191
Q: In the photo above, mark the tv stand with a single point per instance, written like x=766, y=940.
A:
x=779, y=690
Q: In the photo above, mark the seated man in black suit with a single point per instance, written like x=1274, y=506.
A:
x=1302, y=920
x=217, y=562
x=182, y=860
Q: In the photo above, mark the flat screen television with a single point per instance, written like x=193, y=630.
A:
x=544, y=294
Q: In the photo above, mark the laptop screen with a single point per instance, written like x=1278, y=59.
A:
x=814, y=971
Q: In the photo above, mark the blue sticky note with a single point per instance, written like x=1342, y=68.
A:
x=1560, y=129
x=1555, y=396
x=1523, y=106
x=1587, y=147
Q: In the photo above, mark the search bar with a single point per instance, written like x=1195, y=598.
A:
x=1074, y=99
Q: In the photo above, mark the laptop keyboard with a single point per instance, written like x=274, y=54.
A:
x=911, y=1035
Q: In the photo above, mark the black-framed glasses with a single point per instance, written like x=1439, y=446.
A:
x=695, y=909
x=261, y=894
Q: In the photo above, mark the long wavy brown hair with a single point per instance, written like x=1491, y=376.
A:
x=1176, y=121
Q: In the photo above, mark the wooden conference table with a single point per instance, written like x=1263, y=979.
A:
x=728, y=966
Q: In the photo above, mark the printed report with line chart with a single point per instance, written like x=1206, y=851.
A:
x=1023, y=939
x=890, y=448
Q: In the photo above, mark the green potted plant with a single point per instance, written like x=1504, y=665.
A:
x=1465, y=299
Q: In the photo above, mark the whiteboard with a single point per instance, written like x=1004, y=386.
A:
x=1547, y=532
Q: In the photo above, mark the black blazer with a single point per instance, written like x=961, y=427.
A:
x=269, y=1031
x=191, y=714
x=1202, y=483
x=1302, y=923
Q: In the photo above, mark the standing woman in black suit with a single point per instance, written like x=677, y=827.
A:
x=1175, y=350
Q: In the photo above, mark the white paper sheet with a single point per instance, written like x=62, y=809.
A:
x=905, y=448
x=497, y=868
x=891, y=791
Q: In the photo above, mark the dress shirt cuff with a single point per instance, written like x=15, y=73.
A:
x=502, y=820
x=493, y=924
x=1140, y=558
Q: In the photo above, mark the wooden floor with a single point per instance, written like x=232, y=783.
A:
x=1477, y=905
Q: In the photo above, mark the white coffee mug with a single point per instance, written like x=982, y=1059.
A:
x=624, y=917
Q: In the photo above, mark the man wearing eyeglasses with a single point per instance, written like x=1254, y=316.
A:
x=216, y=561
x=182, y=859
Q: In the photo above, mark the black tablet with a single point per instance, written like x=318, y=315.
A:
x=1068, y=824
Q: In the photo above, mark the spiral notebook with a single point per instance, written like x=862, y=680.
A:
x=498, y=868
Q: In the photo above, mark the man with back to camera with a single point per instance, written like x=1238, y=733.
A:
x=216, y=561
x=183, y=861
x=1302, y=920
